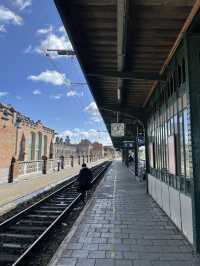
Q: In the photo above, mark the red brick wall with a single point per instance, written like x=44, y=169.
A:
x=7, y=141
x=26, y=130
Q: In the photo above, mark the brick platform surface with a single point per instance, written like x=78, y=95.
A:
x=123, y=226
x=27, y=187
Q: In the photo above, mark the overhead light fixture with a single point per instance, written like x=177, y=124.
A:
x=118, y=94
x=61, y=51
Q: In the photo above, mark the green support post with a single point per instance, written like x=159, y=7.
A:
x=136, y=157
x=193, y=84
x=146, y=156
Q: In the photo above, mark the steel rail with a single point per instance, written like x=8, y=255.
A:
x=97, y=171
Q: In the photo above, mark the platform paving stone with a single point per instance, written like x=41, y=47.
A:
x=123, y=226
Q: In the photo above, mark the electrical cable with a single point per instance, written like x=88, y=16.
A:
x=59, y=68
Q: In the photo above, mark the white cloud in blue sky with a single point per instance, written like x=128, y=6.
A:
x=53, y=41
x=36, y=92
x=51, y=76
x=56, y=96
x=49, y=38
x=74, y=93
x=3, y=94
x=62, y=29
x=7, y=16
x=92, y=109
x=65, y=103
x=77, y=134
x=22, y=4
x=45, y=30
x=2, y=28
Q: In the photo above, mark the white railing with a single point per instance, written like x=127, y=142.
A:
x=35, y=167
x=51, y=165
x=30, y=167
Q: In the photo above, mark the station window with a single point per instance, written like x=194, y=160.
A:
x=179, y=76
x=174, y=82
x=181, y=141
x=171, y=86
x=169, y=121
x=186, y=139
x=183, y=70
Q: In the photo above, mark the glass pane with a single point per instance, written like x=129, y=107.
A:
x=182, y=163
x=187, y=164
x=184, y=101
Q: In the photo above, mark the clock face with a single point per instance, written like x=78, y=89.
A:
x=117, y=129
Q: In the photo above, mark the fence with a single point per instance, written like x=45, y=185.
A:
x=29, y=167
x=35, y=167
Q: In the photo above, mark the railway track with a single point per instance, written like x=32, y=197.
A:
x=20, y=234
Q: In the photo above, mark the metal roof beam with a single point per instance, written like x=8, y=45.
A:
x=126, y=75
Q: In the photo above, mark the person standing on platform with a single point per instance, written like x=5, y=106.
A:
x=130, y=159
x=84, y=181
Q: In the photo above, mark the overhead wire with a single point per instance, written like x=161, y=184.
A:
x=72, y=83
x=59, y=69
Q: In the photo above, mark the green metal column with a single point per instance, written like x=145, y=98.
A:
x=193, y=77
x=136, y=157
x=146, y=156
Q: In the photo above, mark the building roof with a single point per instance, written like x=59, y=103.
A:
x=21, y=117
x=123, y=47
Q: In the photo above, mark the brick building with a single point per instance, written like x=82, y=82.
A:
x=83, y=148
x=97, y=149
x=22, y=138
x=64, y=148
x=109, y=152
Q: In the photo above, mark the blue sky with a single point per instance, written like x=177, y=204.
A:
x=42, y=87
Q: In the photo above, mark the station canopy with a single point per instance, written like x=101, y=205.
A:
x=123, y=47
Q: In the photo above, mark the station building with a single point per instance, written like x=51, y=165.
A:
x=22, y=138
x=83, y=148
x=64, y=148
x=147, y=77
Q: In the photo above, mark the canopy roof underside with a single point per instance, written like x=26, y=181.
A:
x=122, y=45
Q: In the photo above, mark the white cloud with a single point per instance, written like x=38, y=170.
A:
x=53, y=41
x=56, y=97
x=91, y=134
x=62, y=29
x=73, y=93
x=3, y=93
x=36, y=92
x=45, y=30
x=91, y=108
x=93, y=111
x=22, y=4
x=51, y=76
x=8, y=16
x=2, y=28
x=80, y=133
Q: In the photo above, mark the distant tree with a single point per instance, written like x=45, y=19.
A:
x=61, y=140
x=57, y=140
x=67, y=140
